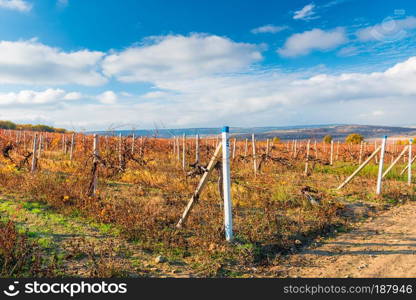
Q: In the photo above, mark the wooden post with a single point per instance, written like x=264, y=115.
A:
x=332, y=153
x=200, y=187
x=71, y=150
x=183, y=151
x=253, y=140
x=337, y=155
x=24, y=141
x=65, y=146
x=380, y=166
x=234, y=142
x=307, y=158
x=197, y=148
x=295, y=148
x=40, y=146
x=395, y=162
x=133, y=139
x=409, y=164
x=178, y=155
x=141, y=146
x=120, y=157
x=359, y=168
x=316, y=150
x=95, y=162
x=361, y=152
x=34, y=155
x=267, y=147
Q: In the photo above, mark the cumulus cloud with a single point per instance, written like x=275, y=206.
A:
x=32, y=63
x=256, y=99
x=316, y=39
x=177, y=56
x=29, y=97
x=189, y=92
x=389, y=29
x=155, y=95
x=306, y=13
x=268, y=29
x=108, y=97
x=19, y=5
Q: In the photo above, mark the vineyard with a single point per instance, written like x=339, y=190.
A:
x=108, y=206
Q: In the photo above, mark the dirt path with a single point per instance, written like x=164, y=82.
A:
x=383, y=246
x=81, y=245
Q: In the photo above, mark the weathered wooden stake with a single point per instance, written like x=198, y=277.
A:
x=95, y=162
x=253, y=140
x=197, y=148
x=34, y=157
x=307, y=157
x=332, y=153
x=183, y=151
x=200, y=187
x=395, y=161
x=40, y=146
x=71, y=150
x=178, y=150
x=409, y=164
x=361, y=152
x=267, y=147
x=295, y=148
x=359, y=168
x=133, y=140
x=234, y=142
x=120, y=157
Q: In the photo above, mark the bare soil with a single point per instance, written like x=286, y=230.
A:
x=380, y=247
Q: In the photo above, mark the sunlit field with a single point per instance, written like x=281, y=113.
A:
x=56, y=223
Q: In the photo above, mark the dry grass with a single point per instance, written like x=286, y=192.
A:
x=144, y=194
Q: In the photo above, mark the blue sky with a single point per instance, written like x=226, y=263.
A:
x=103, y=63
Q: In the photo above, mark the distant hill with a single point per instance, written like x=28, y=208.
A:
x=283, y=132
x=29, y=127
x=336, y=131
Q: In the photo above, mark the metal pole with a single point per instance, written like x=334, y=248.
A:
x=228, y=219
x=380, y=165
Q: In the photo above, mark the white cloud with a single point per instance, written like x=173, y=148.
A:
x=177, y=56
x=389, y=30
x=108, y=97
x=186, y=92
x=155, y=95
x=306, y=13
x=262, y=98
x=32, y=63
x=269, y=29
x=73, y=96
x=348, y=51
x=315, y=39
x=19, y=5
x=29, y=97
